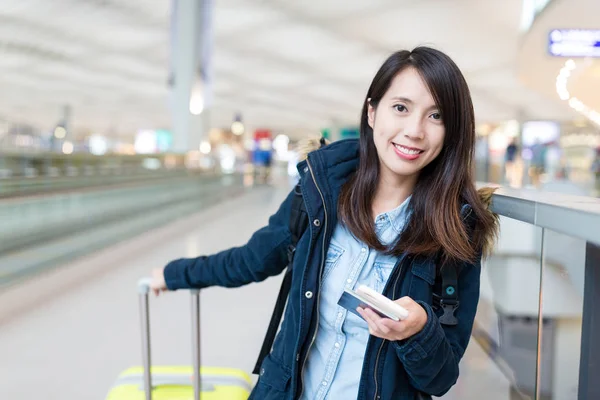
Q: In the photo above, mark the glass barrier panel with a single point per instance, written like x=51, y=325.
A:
x=500, y=361
x=562, y=310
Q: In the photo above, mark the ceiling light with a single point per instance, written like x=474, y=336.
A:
x=196, y=104
x=205, y=147
x=67, y=147
x=60, y=132
x=574, y=103
x=197, y=97
x=237, y=128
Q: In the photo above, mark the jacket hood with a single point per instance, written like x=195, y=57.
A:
x=340, y=158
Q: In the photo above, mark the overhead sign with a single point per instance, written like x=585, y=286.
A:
x=574, y=43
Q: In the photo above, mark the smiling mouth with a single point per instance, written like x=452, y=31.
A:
x=411, y=151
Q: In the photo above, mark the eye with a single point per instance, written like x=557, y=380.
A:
x=436, y=116
x=400, y=108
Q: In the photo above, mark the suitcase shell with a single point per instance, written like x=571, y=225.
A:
x=175, y=383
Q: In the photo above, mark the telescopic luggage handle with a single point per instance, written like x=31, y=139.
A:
x=144, y=291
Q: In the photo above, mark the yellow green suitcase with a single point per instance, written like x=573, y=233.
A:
x=178, y=382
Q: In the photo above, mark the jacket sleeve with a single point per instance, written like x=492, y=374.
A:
x=431, y=357
x=263, y=256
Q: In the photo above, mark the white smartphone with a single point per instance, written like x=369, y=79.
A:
x=365, y=297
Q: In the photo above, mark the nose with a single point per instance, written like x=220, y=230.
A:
x=414, y=128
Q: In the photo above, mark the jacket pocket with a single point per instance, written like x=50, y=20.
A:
x=274, y=374
x=424, y=269
x=334, y=252
x=423, y=272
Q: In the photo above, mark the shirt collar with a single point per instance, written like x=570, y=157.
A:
x=397, y=217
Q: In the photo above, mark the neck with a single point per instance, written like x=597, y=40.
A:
x=391, y=192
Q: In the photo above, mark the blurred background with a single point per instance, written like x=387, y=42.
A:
x=133, y=132
x=157, y=84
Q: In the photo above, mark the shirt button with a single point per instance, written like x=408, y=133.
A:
x=363, y=249
x=262, y=371
x=297, y=357
x=337, y=345
x=324, y=383
x=308, y=294
x=316, y=222
x=305, y=169
x=349, y=280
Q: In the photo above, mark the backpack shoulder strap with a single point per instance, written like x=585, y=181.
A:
x=448, y=298
x=298, y=224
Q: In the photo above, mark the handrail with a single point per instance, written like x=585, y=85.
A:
x=576, y=216
x=22, y=187
x=572, y=218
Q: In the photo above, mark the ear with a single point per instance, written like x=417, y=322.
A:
x=370, y=113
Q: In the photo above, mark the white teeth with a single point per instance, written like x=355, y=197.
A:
x=407, y=151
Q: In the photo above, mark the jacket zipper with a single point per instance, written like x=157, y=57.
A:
x=318, y=291
x=384, y=340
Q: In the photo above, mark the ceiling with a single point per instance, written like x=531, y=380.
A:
x=584, y=81
x=288, y=65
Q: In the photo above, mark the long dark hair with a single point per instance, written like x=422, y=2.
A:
x=435, y=224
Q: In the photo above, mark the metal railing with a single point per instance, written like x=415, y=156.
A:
x=539, y=310
x=16, y=187
x=39, y=233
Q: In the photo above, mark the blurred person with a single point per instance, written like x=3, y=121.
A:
x=268, y=167
x=596, y=171
x=552, y=161
x=538, y=163
x=510, y=162
x=389, y=210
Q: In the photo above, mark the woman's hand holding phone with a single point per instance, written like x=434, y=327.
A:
x=389, y=329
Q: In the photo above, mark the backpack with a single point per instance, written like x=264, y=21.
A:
x=445, y=289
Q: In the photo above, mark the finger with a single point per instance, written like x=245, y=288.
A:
x=396, y=329
x=374, y=321
x=360, y=311
x=381, y=323
x=382, y=327
x=373, y=330
x=405, y=301
x=373, y=316
x=366, y=314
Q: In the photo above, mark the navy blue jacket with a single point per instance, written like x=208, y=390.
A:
x=425, y=364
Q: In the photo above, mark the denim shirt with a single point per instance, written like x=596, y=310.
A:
x=334, y=365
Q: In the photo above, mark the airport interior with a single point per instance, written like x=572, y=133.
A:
x=137, y=132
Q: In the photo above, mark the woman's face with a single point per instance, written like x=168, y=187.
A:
x=408, y=130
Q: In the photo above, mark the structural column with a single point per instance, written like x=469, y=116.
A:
x=190, y=74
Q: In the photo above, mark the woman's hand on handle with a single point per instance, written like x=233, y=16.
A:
x=158, y=283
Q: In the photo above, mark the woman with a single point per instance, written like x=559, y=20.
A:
x=389, y=211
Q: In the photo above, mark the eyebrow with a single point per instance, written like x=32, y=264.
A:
x=404, y=99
